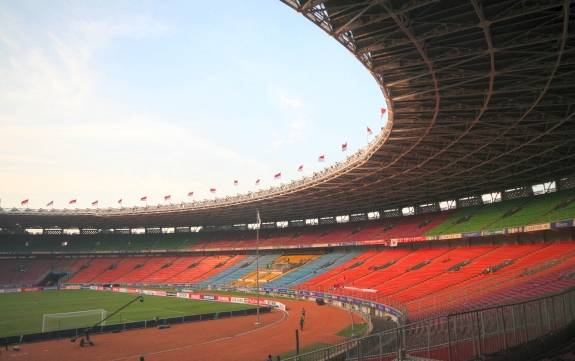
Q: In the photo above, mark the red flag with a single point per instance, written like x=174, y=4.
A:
x=24, y=202
x=344, y=147
x=278, y=175
x=257, y=182
x=190, y=194
x=72, y=201
x=50, y=204
x=212, y=190
x=300, y=168
x=144, y=198
x=167, y=197
x=369, y=131
x=120, y=201
x=321, y=158
x=95, y=203
x=382, y=112
x=236, y=182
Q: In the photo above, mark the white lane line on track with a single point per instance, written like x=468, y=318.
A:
x=285, y=315
x=19, y=354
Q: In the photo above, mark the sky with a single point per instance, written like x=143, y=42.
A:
x=119, y=100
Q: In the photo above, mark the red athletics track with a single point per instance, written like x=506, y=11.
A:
x=233, y=339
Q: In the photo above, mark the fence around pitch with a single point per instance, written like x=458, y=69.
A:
x=461, y=336
x=123, y=326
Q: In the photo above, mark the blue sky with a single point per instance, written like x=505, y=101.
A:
x=109, y=100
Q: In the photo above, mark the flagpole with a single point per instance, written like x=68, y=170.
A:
x=258, y=265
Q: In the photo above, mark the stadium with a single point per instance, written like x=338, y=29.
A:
x=449, y=236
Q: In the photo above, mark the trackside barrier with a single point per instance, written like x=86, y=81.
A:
x=461, y=336
x=69, y=333
x=361, y=301
x=181, y=294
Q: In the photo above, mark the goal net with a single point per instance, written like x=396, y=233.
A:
x=71, y=320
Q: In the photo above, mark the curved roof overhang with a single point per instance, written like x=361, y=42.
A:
x=481, y=97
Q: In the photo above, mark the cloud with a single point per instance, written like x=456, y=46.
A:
x=295, y=133
x=118, y=158
x=61, y=138
x=297, y=125
x=50, y=73
x=290, y=102
x=131, y=26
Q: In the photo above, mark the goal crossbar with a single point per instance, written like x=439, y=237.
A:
x=70, y=320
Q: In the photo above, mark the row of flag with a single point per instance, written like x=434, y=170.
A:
x=168, y=197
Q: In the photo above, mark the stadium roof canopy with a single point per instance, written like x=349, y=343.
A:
x=481, y=97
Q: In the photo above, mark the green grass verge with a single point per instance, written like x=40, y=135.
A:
x=21, y=313
x=308, y=348
x=359, y=329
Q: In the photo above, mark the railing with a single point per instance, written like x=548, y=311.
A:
x=461, y=336
x=467, y=297
x=356, y=294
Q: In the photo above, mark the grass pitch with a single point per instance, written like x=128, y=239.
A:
x=21, y=313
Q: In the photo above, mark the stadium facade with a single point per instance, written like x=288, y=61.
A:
x=480, y=99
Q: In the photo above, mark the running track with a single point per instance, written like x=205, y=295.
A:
x=234, y=339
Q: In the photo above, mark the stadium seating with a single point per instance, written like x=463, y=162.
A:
x=236, y=272
x=311, y=269
x=139, y=274
x=251, y=279
x=280, y=266
x=482, y=288
x=357, y=270
x=171, y=268
x=91, y=269
x=335, y=275
x=404, y=271
x=119, y=269
x=519, y=212
x=29, y=272
x=411, y=226
x=436, y=280
x=230, y=274
x=546, y=283
x=479, y=255
x=200, y=270
x=427, y=279
x=152, y=270
x=477, y=218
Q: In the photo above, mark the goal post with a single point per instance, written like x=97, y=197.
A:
x=71, y=320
